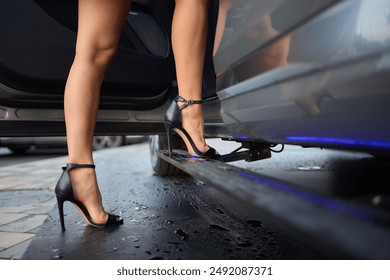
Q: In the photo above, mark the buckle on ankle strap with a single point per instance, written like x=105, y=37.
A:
x=186, y=102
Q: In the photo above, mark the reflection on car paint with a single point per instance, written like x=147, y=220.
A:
x=321, y=201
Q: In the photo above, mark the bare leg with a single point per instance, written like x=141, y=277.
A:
x=100, y=26
x=189, y=31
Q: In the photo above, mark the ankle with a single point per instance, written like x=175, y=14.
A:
x=83, y=180
x=193, y=111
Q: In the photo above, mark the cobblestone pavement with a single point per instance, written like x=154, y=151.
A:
x=27, y=198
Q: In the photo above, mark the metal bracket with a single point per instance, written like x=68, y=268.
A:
x=255, y=151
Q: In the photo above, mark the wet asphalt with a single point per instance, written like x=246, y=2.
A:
x=164, y=218
x=182, y=217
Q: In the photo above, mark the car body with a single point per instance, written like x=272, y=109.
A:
x=302, y=72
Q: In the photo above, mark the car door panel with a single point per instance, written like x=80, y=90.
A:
x=330, y=90
x=37, y=48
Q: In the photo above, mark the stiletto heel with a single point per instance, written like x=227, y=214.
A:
x=173, y=120
x=60, y=203
x=64, y=192
x=168, y=129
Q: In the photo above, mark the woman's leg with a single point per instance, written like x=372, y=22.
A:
x=189, y=31
x=99, y=28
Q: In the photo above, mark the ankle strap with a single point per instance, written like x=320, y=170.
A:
x=70, y=166
x=186, y=102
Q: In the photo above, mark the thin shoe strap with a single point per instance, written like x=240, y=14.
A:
x=186, y=102
x=70, y=166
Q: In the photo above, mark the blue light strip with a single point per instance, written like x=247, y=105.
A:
x=342, y=141
x=324, y=202
x=240, y=137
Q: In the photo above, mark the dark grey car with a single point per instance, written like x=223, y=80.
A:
x=311, y=73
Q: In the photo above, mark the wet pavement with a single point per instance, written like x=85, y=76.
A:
x=165, y=217
x=184, y=218
x=26, y=199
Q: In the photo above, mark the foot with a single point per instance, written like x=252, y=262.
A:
x=86, y=190
x=192, y=122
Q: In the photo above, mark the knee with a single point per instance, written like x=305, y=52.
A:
x=97, y=54
x=104, y=55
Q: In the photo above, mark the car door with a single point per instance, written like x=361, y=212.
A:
x=305, y=72
x=36, y=51
x=37, y=48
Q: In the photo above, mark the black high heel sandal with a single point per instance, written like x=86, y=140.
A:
x=64, y=192
x=173, y=120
